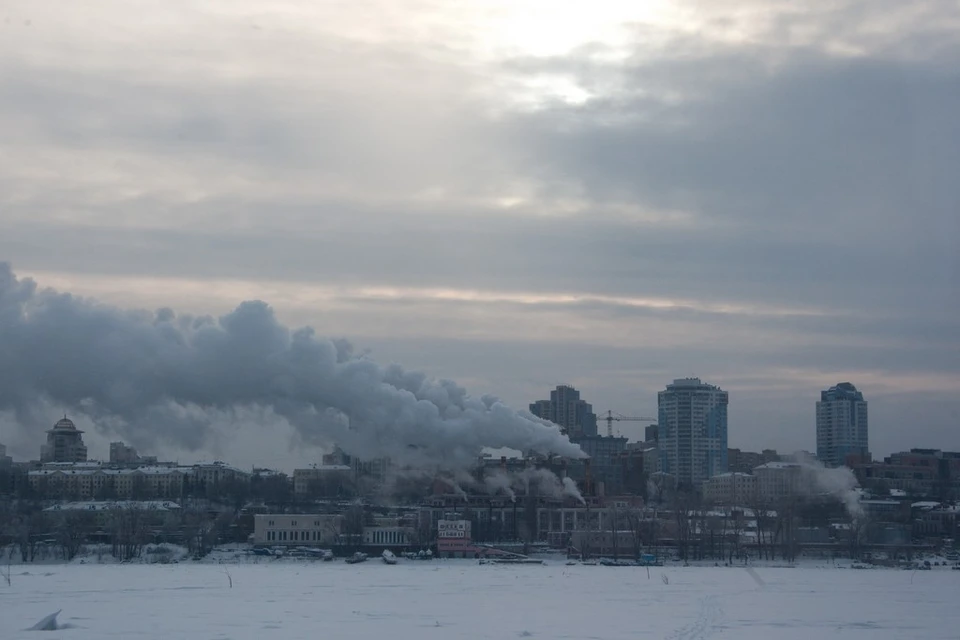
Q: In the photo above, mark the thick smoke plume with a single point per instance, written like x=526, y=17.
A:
x=838, y=482
x=163, y=376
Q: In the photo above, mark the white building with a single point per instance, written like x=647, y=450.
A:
x=778, y=480
x=841, y=425
x=300, y=529
x=692, y=435
x=388, y=536
x=732, y=488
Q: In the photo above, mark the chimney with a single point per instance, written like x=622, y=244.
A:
x=563, y=468
x=503, y=463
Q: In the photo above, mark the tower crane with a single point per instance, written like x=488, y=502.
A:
x=611, y=416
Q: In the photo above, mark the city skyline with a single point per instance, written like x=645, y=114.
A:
x=512, y=194
x=107, y=441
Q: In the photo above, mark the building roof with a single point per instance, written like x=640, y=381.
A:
x=148, y=505
x=779, y=465
x=65, y=424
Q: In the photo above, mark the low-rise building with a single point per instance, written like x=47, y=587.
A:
x=301, y=529
x=90, y=480
x=732, y=488
x=778, y=480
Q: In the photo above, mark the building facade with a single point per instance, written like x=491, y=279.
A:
x=731, y=489
x=327, y=480
x=5, y=461
x=928, y=473
x=605, y=466
x=64, y=443
x=301, y=529
x=566, y=409
x=841, y=425
x=692, y=438
x=779, y=480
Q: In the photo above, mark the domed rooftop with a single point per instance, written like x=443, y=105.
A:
x=65, y=423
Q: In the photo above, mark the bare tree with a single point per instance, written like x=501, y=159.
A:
x=633, y=518
x=71, y=531
x=128, y=529
x=684, y=506
x=762, y=518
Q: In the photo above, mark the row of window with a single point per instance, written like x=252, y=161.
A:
x=293, y=536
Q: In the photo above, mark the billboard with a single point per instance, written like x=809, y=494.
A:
x=453, y=535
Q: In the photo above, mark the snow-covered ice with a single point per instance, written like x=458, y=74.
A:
x=460, y=599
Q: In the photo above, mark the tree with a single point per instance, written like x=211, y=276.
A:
x=128, y=531
x=633, y=518
x=71, y=531
x=684, y=506
x=762, y=518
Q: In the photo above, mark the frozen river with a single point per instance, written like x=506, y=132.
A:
x=458, y=599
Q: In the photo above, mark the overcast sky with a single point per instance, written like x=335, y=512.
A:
x=514, y=194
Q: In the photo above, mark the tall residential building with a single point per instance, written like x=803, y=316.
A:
x=693, y=431
x=841, y=425
x=565, y=408
x=5, y=460
x=64, y=443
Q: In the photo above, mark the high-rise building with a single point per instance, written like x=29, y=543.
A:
x=693, y=431
x=841, y=425
x=5, y=460
x=650, y=433
x=64, y=443
x=565, y=408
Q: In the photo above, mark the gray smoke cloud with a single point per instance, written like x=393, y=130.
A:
x=151, y=376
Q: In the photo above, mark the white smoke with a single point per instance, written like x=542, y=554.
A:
x=570, y=489
x=838, y=482
x=546, y=483
x=500, y=482
x=161, y=376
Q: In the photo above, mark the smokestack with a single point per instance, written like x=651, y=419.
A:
x=503, y=463
x=563, y=468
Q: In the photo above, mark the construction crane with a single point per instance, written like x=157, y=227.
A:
x=611, y=416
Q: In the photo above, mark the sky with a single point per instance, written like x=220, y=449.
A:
x=513, y=194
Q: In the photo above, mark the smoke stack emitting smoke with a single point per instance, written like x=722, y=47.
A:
x=160, y=376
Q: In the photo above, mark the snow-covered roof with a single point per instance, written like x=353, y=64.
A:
x=109, y=472
x=779, y=465
x=147, y=505
x=925, y=504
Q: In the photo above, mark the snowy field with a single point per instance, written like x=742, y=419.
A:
x=460, y=599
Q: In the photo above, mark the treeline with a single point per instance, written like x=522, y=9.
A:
x=32, y=533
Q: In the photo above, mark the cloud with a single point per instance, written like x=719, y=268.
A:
x=747, y=191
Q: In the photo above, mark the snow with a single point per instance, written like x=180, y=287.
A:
x=445, y=599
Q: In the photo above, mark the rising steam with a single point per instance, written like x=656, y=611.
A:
x=162, y=376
